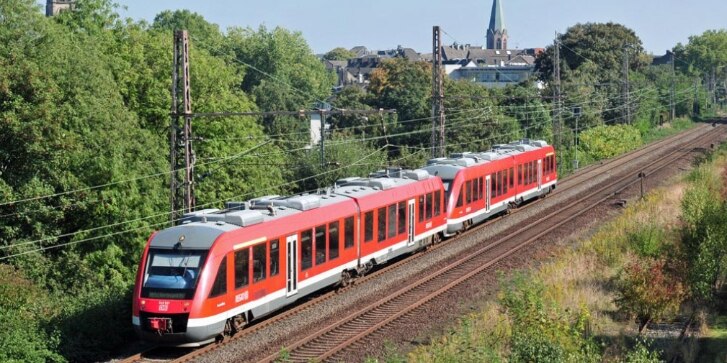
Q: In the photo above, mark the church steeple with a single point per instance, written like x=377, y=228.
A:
x=496, y=33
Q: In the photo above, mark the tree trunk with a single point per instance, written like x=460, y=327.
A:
x=643, y=322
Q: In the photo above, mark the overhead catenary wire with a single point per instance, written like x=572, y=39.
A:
x=499, y=136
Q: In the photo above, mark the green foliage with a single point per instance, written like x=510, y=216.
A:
x=598, y=43
x=24, y=310
x=541, y=330
x=640, y=353
x=647, y=240
x=343, y=159
x=339, y=54
x=604, y=142
x=705, y=233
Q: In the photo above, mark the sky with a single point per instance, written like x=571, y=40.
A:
x=385, y=24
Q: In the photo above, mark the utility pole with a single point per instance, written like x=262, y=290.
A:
x=556, y=96
x=695, y=106
x=626, y=86
x=438, y=148
x=180, y=139
x=323, y=139
x=672, y=92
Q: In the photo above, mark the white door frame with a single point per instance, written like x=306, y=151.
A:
x=540, y=174
x=488, y=190
x=291, y=270
x=411, y=231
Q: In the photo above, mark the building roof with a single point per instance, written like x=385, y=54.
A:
x=497, y=17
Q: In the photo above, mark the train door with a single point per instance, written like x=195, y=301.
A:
x=488, y=194
x=292, y=265
x=411, y=222
x=540, y=174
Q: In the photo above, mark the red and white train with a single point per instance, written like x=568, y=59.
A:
x=221, y=269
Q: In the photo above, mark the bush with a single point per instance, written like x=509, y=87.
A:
x=647, y=291
x=604, y=142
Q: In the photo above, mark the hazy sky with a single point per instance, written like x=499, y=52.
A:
x=383, y=24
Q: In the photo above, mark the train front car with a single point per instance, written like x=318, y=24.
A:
x=171, y=272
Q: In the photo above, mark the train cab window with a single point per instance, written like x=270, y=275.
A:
x=468, y=192
x=512, y=178
x=437, y=202
x=306, y=250
x=348, y=233
x=333, y=240
x=274, y=257
x=369, y=226
x=259, y=263
x=520, y=174
x=242, y=267
x=421, y=208
x=392, y=221
x=402, y=217
x=459, y=199
x=430, y=206
x=320, y=244
x=219, y=287
x=382, y=223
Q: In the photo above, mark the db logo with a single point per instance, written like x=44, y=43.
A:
x=164, y=306
x=241, y=297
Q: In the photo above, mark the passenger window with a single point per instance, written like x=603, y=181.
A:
x=437, y=202
x=333, y=243
x=348, y=233
x=392, y=221
x=512, y=177
x=468, y=192
x=429, y=206
x=320, y=244
x=493, y=185
x=242, y=267
x=274, y=257
x=402, y=217
x=219, y=287
x=504, y=182
x=259, y=264
x=421, y=208
x=369, y=226
x=382, y=224
x=459, y=199
x=520, y=174
x=481, y=188
x=475, y=188
x=306, y=251
x=499, y=183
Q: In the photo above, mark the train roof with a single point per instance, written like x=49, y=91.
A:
x=447, y=168
x=200, y=229
x=378, y=181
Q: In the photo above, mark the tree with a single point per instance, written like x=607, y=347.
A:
x=282, y=73
x=340, y=54
x=648, y=291
x=603, y=44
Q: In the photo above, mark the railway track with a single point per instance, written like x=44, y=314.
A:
x=157, y=354
x=350, y=332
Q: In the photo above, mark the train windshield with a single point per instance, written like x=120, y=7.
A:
x=172, y=274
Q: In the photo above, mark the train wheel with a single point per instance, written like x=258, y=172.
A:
x=346, y=279
x=436, y=238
